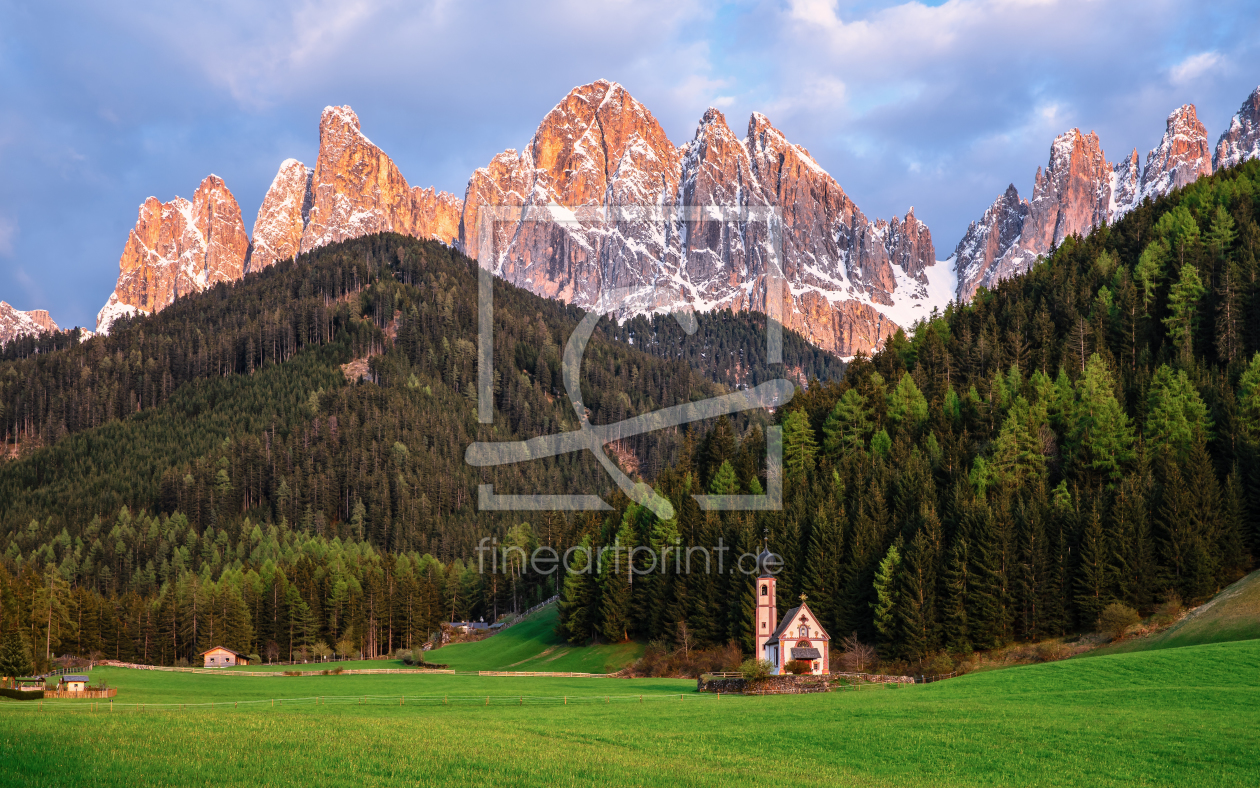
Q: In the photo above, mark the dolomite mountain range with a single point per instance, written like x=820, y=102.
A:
x=605, y=181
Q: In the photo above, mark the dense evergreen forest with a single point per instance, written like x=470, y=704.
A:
x=1082, y=434
x=1085, y=433
x=216, y=454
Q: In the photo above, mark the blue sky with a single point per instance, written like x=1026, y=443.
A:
x=936, y=105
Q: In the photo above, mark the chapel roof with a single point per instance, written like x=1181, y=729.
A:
x=789, y=620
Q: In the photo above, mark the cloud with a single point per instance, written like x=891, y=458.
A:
x=939, y=106
x=1194, y=67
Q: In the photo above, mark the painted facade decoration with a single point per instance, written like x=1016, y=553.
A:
x=797, y=636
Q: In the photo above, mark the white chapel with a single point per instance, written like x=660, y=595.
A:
x=798, y=636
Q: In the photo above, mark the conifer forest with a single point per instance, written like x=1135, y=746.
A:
x=280, y=462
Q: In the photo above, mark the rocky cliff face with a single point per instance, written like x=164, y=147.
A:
x=357, y=190
x=1241, y=141
x=1071, y=196
x=181, y=247
x=596, y=158
x=176, y=248
x=15, y=323
x=988, y=251
x=1078, y=191
x=283, y=215
x=1181, y=156
x=601, y=199
x=1126, y=185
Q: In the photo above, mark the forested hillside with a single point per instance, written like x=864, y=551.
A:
x=193, y=458
x=1085, y=433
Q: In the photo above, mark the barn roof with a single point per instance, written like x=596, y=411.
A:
x=223, y=648
x=74, y=678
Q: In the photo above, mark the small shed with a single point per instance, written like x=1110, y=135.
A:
x=220, y=657
x=72, y=683
x=36, y=684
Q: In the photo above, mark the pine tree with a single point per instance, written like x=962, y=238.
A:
x=1183, y=305
x=799, y=446
x=1100, y=439
x=1176, y=416
x=1249, y=400
x=1187, y=516
x=916, y=597
x=1149, y=271
x=958, y=587
x=822, y=581
x=1231, y=538
x=616, y=580
x=847, y=425
x=724, y=482
x=1032, y=568
x=1132, y=570
x=886, y=596
x=907, y=409
x=15, y=659
x=578, y=601
x=1091, y=594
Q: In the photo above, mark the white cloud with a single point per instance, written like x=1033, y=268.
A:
x=1194, y=67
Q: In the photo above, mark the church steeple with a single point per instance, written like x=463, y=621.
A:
x=767, y=617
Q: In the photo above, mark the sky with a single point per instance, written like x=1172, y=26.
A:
x=937, y=106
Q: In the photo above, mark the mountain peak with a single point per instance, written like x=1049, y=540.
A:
x=1181, y=156
x=355, y=189
x=1241, y=141
x=176, y=248
x=599, y=147
x=15, y=323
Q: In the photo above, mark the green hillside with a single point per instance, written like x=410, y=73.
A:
x=1233, y=614
x=532, y=645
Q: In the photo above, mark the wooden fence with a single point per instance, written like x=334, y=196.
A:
x=85, y=694
x=355, y=672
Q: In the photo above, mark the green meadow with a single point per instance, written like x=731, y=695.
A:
x=1188, y=716
x=532, y=645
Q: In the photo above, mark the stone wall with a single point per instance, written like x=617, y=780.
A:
x=770, y=685
x=794, y=685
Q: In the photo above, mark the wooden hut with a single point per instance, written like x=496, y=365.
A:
x=72, y=684
x=220, y=657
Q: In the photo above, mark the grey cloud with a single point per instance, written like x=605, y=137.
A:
x=908, y=105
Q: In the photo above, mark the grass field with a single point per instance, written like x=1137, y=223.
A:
x=1233, y=614
x=1186, y=716
x=532, y=645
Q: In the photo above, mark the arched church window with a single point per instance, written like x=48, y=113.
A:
x=764, y=590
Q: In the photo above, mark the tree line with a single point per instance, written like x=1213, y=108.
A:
x=1083, y=434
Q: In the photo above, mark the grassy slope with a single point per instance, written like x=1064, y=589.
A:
x=1233, y=614
x=532, y=644
x=1184, y=717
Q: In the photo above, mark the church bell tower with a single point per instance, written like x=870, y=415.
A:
x=767, y=614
